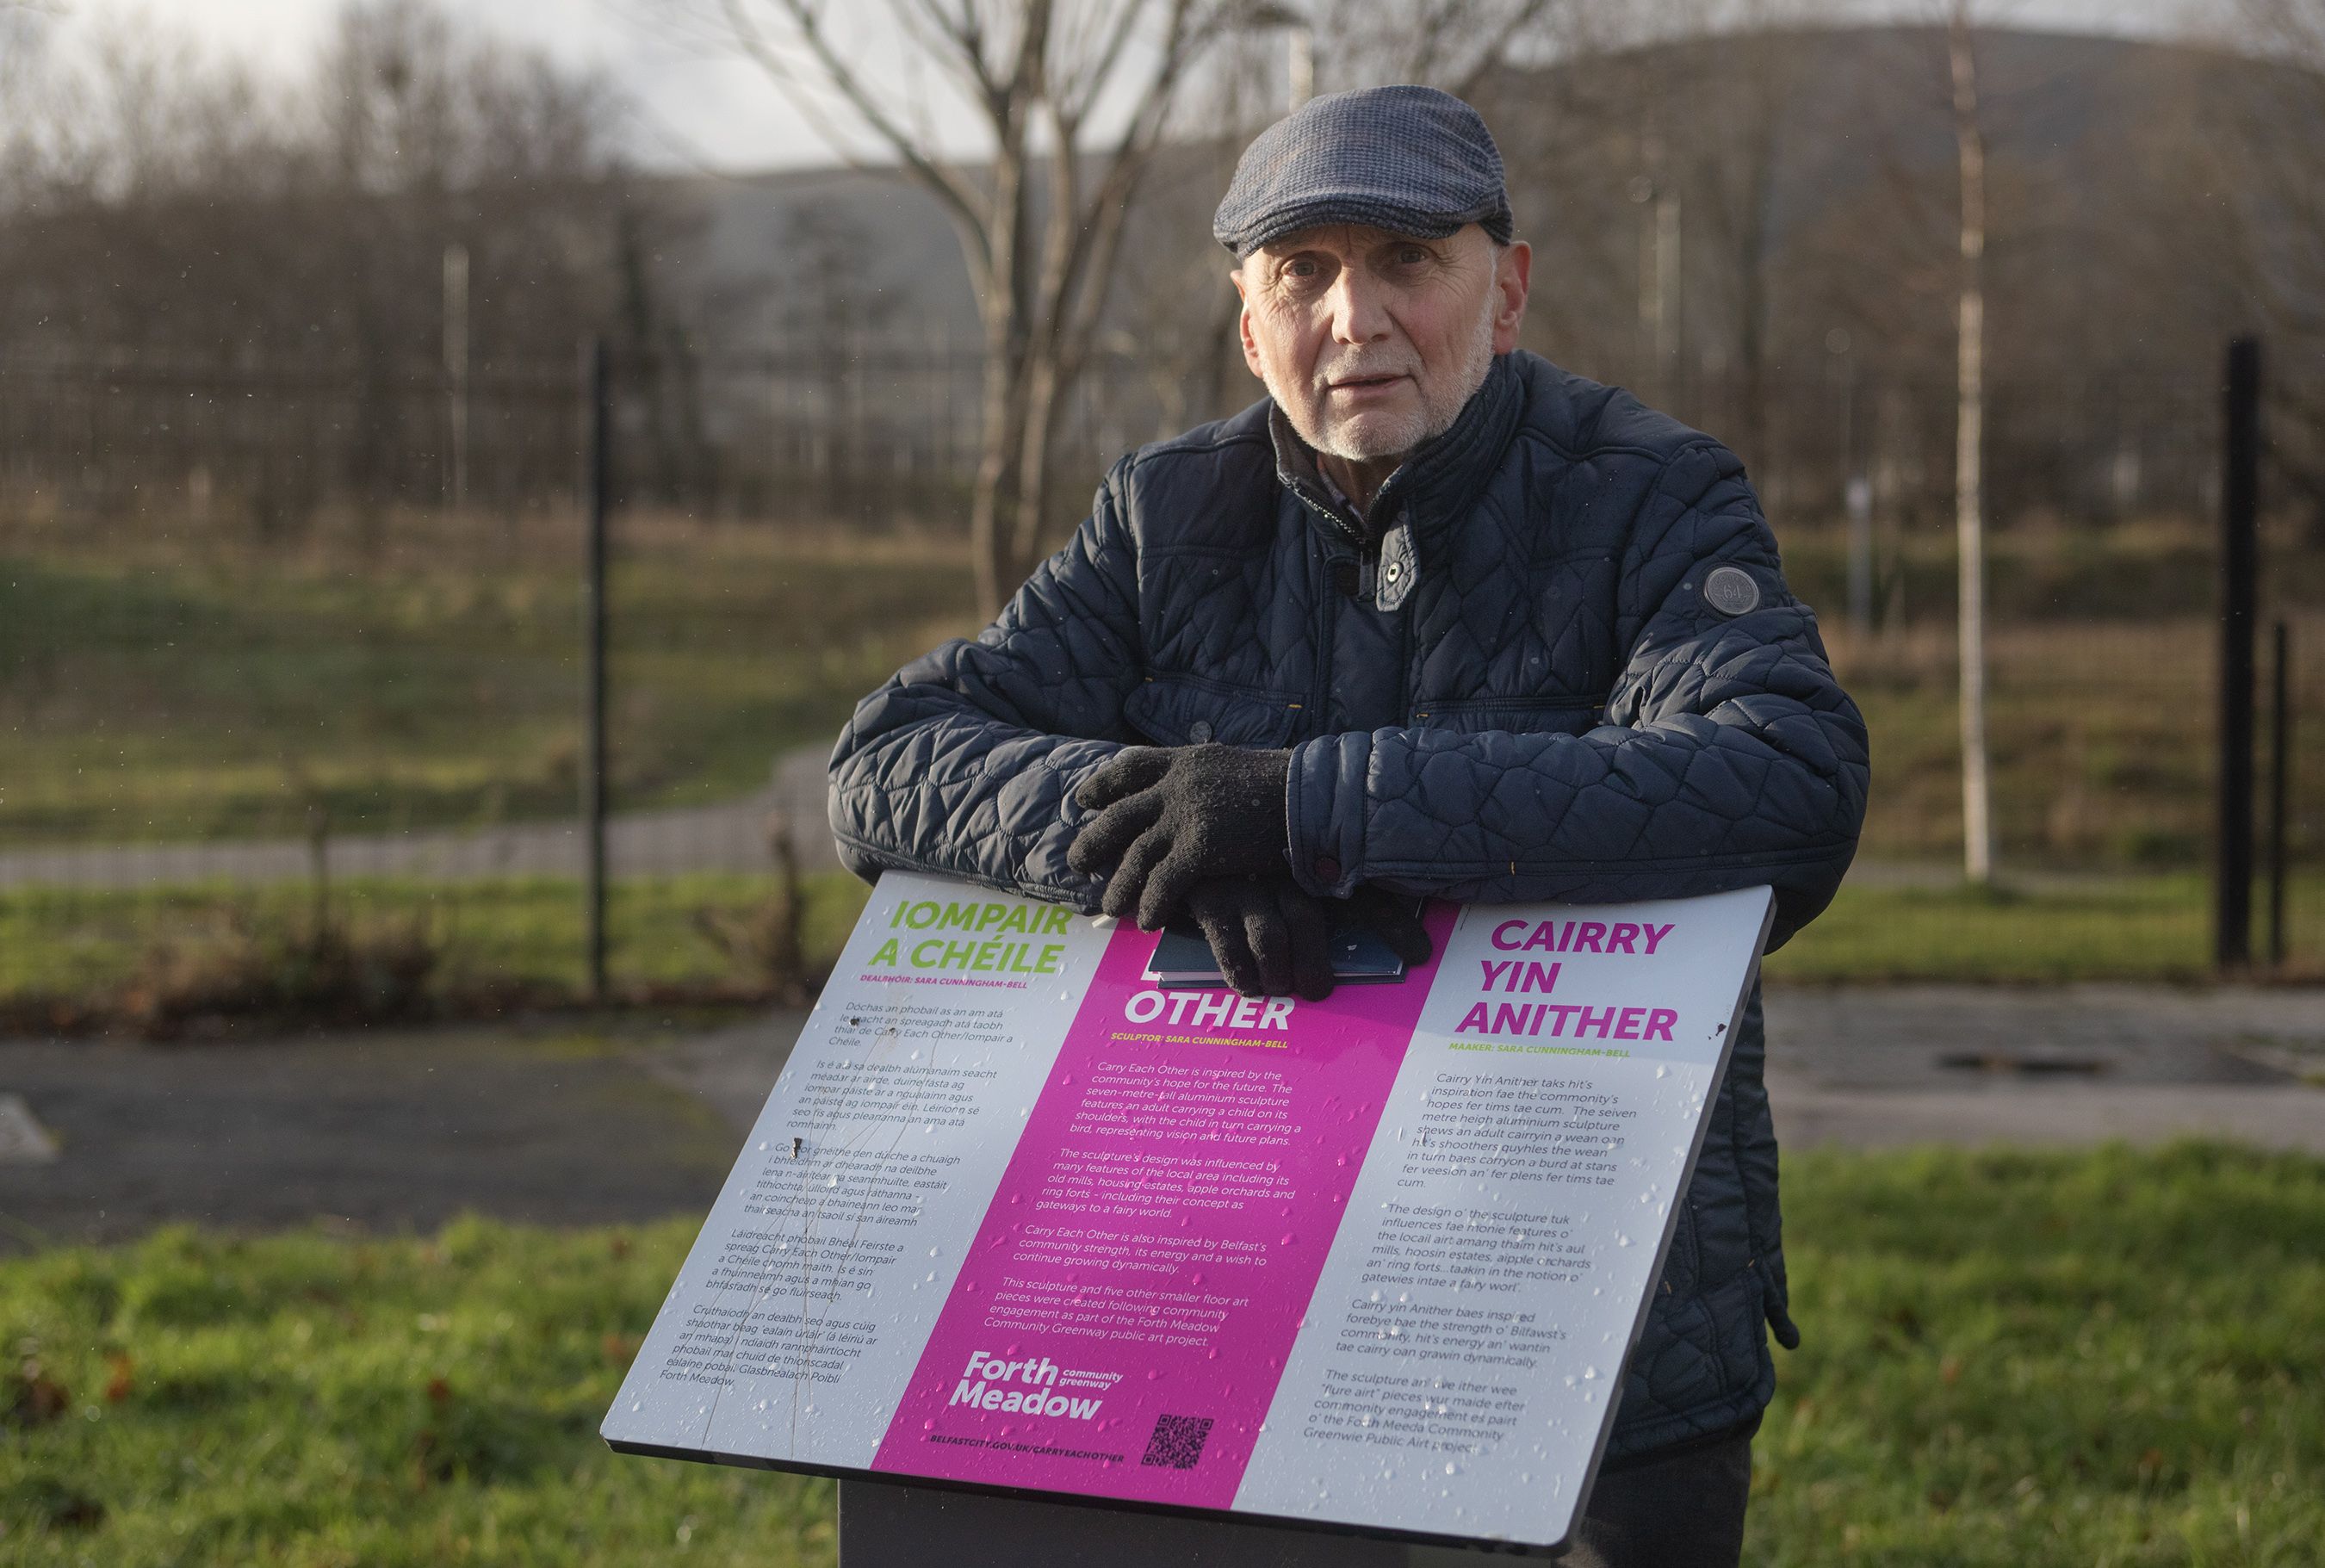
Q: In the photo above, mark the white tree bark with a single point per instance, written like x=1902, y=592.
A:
x=1970, y=439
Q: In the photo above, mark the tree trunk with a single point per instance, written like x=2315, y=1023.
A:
x=993, y=511
x=1043, y=382
x=1969, y=433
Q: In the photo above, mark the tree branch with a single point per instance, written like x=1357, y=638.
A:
x=959, y=198
x=1520, y=19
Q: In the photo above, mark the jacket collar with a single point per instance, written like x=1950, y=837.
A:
x=1438, y=481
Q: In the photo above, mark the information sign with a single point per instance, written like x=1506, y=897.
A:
x=1015, y=1217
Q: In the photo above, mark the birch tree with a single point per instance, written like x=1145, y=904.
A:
x=1970, y=444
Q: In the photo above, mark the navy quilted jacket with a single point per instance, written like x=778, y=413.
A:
x=1557, y=661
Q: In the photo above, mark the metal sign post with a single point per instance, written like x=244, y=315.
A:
x=882, y=1525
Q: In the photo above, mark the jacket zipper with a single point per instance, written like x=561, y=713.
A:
x=1326, y=614
x=1328, y=592
x=1340, y=525
x=1404, y=661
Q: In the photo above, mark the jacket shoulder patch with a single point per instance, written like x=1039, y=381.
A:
x=1730, y=590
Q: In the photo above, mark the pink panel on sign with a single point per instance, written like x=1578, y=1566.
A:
x=1123, y=1317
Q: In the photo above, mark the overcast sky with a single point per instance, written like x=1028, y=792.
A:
x=695, y=108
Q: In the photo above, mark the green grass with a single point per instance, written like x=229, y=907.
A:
x=300, y=1400
x=2126, y=928
x=62, y=943
x=86, y=947
x=2102, y=656
x=2101, y=736
x=161, y=695
x=2009, y=1359
x=165, y=684
x=2019, y=1358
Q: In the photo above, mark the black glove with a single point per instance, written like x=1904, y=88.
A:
x=1392, y=917
x=1268, y=934
x=1168, y=819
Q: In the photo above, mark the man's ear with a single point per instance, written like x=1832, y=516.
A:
x=1243, y=323
x=1512, y=275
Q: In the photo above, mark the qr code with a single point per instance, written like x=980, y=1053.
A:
x=1178, y=1441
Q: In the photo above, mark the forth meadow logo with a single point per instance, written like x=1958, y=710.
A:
x=984, y=1385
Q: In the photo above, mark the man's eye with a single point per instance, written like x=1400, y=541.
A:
x=1411, y=255
x=1301, y=278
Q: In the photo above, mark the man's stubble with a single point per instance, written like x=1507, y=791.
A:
x=1402, y=436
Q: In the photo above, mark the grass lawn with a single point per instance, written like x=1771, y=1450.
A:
x=2102, y=655
x=2126, y=928
x=2010, y=1359
x=165, y=684
x=301, y=1400
x=2020, y=1359
x=697, y=930
x=672, y=931
x=158, y=692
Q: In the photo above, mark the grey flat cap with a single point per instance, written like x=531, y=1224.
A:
x=1408, y=159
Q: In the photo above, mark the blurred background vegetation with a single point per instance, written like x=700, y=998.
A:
x=290, y=541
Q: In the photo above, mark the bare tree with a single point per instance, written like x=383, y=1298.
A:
x=1040, y=217
x=838, y=297
x=23, y=35
x=161, y=205
x=1939, y=209
x=1743, y=87
x=1455, y=44
x=21, y=32
x=1970, y=444
x=2271, y=157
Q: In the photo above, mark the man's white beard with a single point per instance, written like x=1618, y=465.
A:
x=1374, y=437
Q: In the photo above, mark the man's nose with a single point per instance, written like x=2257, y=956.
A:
x=1360, y=314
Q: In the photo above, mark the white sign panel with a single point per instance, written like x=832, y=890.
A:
x=1016, y=1217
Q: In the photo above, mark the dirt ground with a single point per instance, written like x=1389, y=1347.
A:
x=551, y=1124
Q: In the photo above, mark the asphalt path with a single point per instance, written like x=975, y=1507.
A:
x=390, y=1132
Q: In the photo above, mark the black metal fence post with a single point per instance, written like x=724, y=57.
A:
x=597, y=440
x=2239, y=575
x=2279, y=786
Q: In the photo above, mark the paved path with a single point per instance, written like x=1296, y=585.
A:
x=380, y=1132
x=1939, y=1037
x=1871, y=1067
x=2050, y=1115
x=403, y=1131
x=728, y=837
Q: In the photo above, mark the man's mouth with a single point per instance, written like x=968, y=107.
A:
x=1364, y=383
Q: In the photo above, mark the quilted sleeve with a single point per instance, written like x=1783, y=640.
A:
x=1729, y=756
x=965, y=762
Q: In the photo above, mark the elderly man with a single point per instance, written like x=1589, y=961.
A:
x=1434, y=617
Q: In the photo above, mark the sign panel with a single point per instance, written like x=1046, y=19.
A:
x=1017, y=1218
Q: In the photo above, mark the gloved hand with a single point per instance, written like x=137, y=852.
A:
x=1272, y=938
x=1268, y=933
x=1393, y=918
x=1170, y=818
